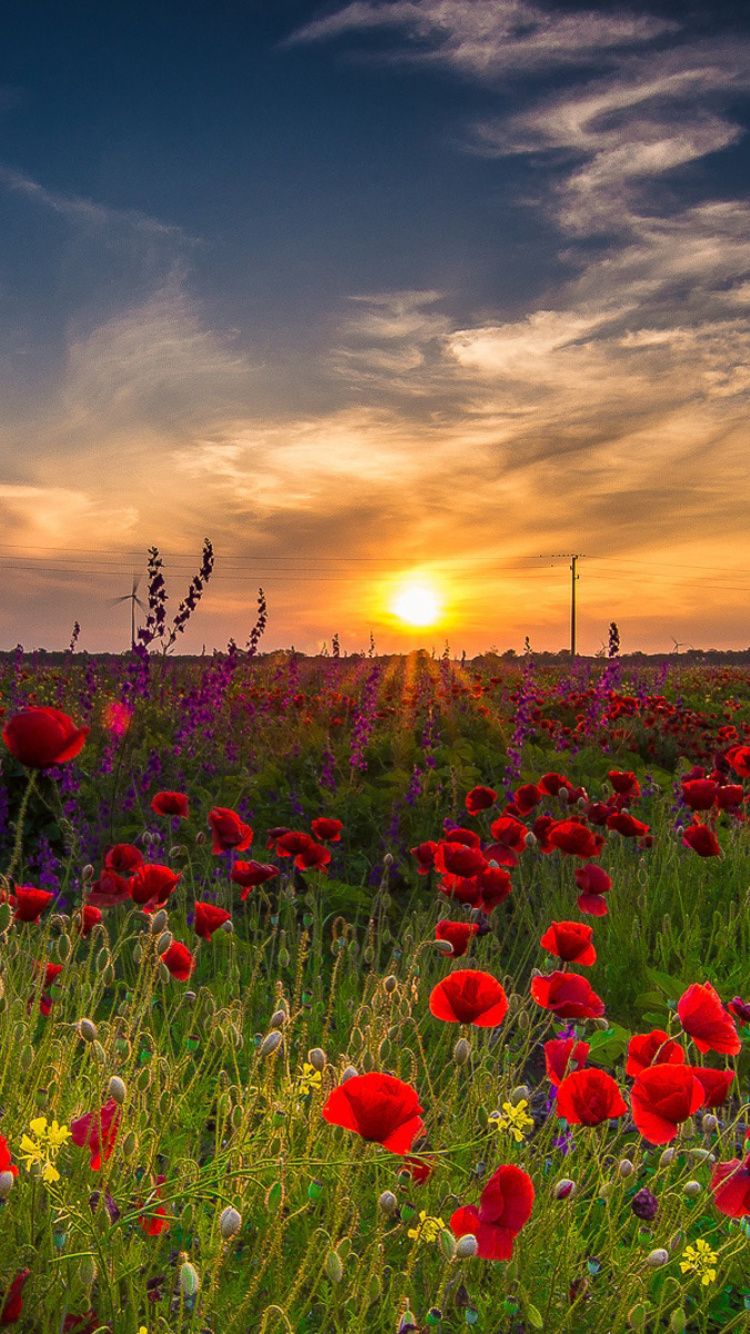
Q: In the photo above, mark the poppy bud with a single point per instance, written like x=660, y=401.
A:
x=461, y=1051
x=387, y=1202
x=563, y=796
x=163, y=943
x=349, y=1073
x=179, y=850
x=200, y=838
x=129, y=1144
x=530, y=840
x=466, y=1246
x=6, y=1184
x=520, y=1093
x=6, y=912
x=63, y=948
x=117, y=1089
x=710, y=1123
x=87, y=874
x=227, y=929
x=87, y=1271
x=158, y=922
x=675, y=1241
x=390, y=984
x=523, y=1019
x=701, y=1156
x=443, y=946
x=677, y=1322
x=270, y=1043
x=667, y=1157
x=625, y=1168
x=137, y=953
x=447, y=1243
x=317, y=1058
x=637, y=1317
x=692, y=1188
x=602, y=1024
x=230, y=1222
x=278, y=1019
x=334, y=1268
x=189, y=1281
x=87, y=1030
x=658, y=1257
x=564, y=1189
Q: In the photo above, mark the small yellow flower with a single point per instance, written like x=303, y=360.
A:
x=513, y=1120
x=309, y=1079
x=47, y=1140
x=700, y=1259
x=428, y=1228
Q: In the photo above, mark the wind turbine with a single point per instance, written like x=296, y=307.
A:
x=132, y=598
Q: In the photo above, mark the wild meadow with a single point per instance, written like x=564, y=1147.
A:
x=365, y=993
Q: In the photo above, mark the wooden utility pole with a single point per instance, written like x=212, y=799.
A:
x=573, y=582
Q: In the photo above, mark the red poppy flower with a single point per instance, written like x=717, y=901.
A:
x=30, y=903
x=661, y=1098
x=469, y=837
x=274, y=834
x=312, y=858
x=123, y=858
x=97, y=1131
x=594, y=883
x=588, y=1097
x=109, y=890
x=598, y=812
x=567, y=995
x=509, y=834
x=179, y=961
x=469, y=996
x=380, y=1108
x=541, y=831
x=457, y=859
x=729, y=796
x=654, y=1048
x=5, y=1163
x=208, y=918
x=327, y=828
x=699, y=794
x=703, y=1016
x=575, y=840
x=494, y=885
x=51, y=973
x=627, y=825
x=624, y=784
x=504, y=1207
x=458, y=935
x=86, y=918
x=702, y=840
x=170, y=803
x=480, y=799
x=551, y=784
x=526, y=797
x=43, y=737
x=740, y=1009
x=250, y=874
x=464, y=889
x=152, y=884
x=730, y=1183
x=14, y=1301
x=419, y=1169
x=715, y=1084
x=739, y=758
x=570, y=941
x=425, y=855
x=156, y=1220
x=228, y=830
x=562, y=1055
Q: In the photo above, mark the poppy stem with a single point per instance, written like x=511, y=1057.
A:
x=17, y=846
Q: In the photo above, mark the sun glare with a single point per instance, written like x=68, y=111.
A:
x=417, y=604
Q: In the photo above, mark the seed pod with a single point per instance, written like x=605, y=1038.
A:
x=334, y=1268
x=466, y=1246
x=6, y=1184
x=270, y=1043
x=387, y=1203
x=158, y=922
x=658, y=1257
x=461, y=1051
x=117, y=1089
x=230, y=1222
x=317, y=1058
x=189, y=1281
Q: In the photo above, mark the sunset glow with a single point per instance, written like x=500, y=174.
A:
x=417, y=604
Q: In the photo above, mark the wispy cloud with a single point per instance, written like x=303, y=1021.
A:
x=86, y=212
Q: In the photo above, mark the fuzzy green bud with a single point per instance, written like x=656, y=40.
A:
x=466, y=1246
x=564, y=1189
x=230, y=1222
x=87, y=1030
x=158, y=922
x=390, y=983
x=164, y=942
x=317, y=1058
x=520, y=1093
x=667, y=1157
x=349, y=1073
x=625, y=1168
x=443, y=946
x=710, y=1123
x=701, y=1156
x=658, y=1257
x=692, y=1188
x=63, y=948
x=6, y=1184
x=447, y=1243
x=387, y=1202
x=270, y=1043
x=461, y=1052
x=227, y=928
x=334, y=1268
x=278, y=1019
x=87, y=1271
x=189, y=1281
x=117, y=1089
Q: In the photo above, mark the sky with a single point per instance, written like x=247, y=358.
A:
x=402, y=303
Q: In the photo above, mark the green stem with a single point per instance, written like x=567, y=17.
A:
x=17, y=846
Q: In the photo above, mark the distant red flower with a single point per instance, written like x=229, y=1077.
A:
x=526, y=797
x=457, y=859
x=179, y=961
x=625, y=784
x=31, y=903
x=380, y=1108
x=97, y=1131
x=562, y=1055
x=541, y=831
x=86, y=918
x=170, y=803
x=228, y=831
x=274, y=834
x=458, y=935
x=504, y=1207
x=703, y=1016
x=327, y=828
x=699, y=794
x=123, y=858
x=154, y=1221
x=312, y=858
x=550, y=784
x=740, y=1009
x=419, y=1169
x=598, y=812
x=739, y=758
x=469, y=837
x=43, y=737
x=730, y=1183
x=568, y=995
x=654, y=1048
x=51, y=973
x=570, y=941
x=152, y=884
x=702, y=840
x=425, y=855
x=662, y=1097
x=208, y=918
x=625, y=824
x=14, y=1300
x=250, y=874
x=729, y=796
x=480, y=799
x=575, y=840
x=469, y=996
x=508, y=833
x=109, y=890
x=292, y=842
x=588, y=1097
x=5, y=1163
x=715, y=1083
x=494, y=885
x=594, y=883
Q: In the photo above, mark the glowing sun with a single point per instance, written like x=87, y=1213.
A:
x=417, y=604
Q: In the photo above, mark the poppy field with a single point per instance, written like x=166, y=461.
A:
x=387, y=994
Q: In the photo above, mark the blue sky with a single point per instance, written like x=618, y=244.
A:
x=371, y=293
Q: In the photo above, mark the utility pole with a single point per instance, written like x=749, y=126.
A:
x=573, y=557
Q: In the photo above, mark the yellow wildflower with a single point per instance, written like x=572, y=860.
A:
x=309, y=1079
x=40, y=1150
x=700, y=1259
x=514, y=1120
x=427, y=1229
